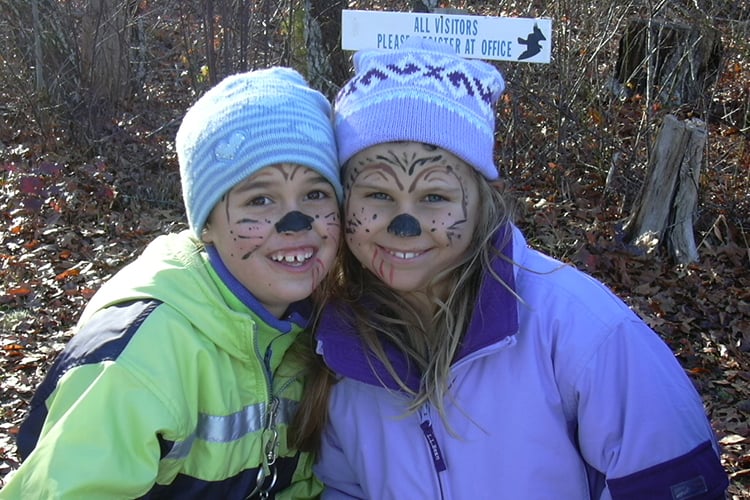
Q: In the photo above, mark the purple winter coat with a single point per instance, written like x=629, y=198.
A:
x=566, y=394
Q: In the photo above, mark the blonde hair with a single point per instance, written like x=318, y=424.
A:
x=382, y=315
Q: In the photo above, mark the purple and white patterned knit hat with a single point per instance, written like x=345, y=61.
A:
x=422, y=92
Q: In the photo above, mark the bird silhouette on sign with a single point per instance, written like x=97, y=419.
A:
x=533, y=47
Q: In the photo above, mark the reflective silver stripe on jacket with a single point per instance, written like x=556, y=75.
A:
x=228, y=428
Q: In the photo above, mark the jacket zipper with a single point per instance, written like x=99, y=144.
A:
x=433, y=447
x=269, y=434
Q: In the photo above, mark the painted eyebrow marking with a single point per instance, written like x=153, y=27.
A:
x=439, y=171
x=288, y=171
x=383, y=171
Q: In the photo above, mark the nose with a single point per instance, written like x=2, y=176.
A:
x=404, y=226
x=293, y=222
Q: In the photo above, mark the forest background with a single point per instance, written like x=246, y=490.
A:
x=92, y=93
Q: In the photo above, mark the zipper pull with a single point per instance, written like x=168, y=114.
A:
x=270, y=440
x=272, y=410
x=429, y=434
x=271, y=434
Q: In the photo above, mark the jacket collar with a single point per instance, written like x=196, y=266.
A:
x=298, y=313
x=495, y=318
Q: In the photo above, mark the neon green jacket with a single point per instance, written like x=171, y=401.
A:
x=172, y=386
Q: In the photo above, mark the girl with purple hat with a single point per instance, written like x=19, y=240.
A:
x=459, y=362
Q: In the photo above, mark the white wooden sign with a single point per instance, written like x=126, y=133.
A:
x=474, y=37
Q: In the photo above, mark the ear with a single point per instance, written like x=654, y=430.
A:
x=206, y=234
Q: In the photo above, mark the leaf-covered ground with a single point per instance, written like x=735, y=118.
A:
x=68, y=223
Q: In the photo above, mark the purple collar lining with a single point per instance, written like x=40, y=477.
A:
x=495, y=318
x=298, y=313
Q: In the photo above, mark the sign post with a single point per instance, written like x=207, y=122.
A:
x=474, y=37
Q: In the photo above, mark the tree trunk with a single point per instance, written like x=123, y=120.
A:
x=105, y=56
x=38, y=59
x=676, y=62
x=327, y=66
x=665, y=210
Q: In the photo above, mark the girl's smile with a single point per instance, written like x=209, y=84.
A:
x=406, y=254
x=294, y=258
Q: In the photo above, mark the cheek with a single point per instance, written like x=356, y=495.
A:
x=358, y=226
x=249, y=234
x=360, y=218
x=331, y=225
x=448, y=227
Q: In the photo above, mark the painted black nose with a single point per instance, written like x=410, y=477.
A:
x=294, y=222
x=404, y=226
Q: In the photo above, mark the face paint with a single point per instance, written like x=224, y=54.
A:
x=404, y=225
x=277, y=232
x=293, y=222
x=410, y=212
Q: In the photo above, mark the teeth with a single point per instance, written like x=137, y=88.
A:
x=405, y=255
x=292, y=258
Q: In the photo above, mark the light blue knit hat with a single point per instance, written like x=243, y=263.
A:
x=246, y=122
x=420, y=92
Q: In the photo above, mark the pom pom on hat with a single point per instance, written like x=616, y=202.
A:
x=422, y=92
x=245, y=123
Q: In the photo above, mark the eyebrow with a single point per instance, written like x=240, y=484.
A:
x=259, y=183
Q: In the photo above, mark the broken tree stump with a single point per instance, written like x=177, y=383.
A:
x=665, y=210
x=679, y=62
